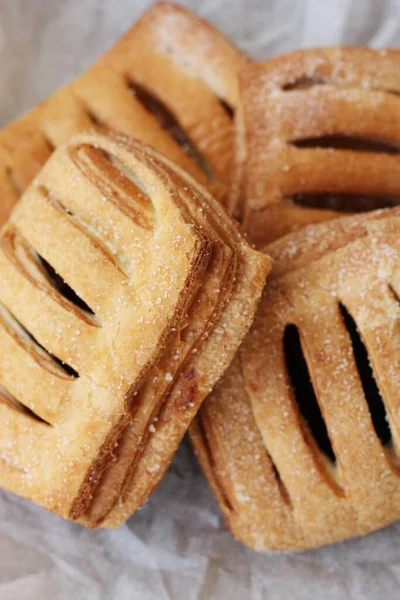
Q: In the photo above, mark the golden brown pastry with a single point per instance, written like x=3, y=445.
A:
x=318, y=134
x=123, y=298
x=300, y=439
x=170, y=81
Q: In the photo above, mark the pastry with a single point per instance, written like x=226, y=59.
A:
x=299, y=440
x=170, y=81
x=118, y=273
x=200, y=354
x=318, y=135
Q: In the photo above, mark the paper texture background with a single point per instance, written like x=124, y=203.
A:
x=176, y=547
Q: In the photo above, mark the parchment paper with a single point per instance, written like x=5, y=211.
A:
x=176, y=547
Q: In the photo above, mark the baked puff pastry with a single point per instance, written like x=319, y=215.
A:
x=124, y=296
x=318, y=135
x=171, y=81
x=300, y=439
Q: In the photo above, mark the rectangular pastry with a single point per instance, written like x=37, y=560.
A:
x=300, y=439
x=170, y=81
x=123, y=300
x=318, y=134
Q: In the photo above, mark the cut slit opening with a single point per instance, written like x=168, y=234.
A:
x=14, y=182
x=84, y=226
x=49, y=143
x=303, y=391
x=280, y=484
x=32, y=266
x=342, y=202
x=304, y=82
x=70, y=371
x=371, y=390
x=227, y=108
x=8, y=399
x=210, y=456
x=344, y=141
x=123, y=170
x=29, y=342
x=97, y=122
x=62, y=287
x=168, y=121
x=393, y=293
x=118, y=184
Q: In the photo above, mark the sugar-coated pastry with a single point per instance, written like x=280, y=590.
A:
x=318, y=134
x=300, y=439
x=125, y=292
x=171, y=81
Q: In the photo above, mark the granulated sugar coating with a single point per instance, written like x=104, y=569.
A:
x=177, y=545
x=299, y=439
x=121, y=305
x=319, y=134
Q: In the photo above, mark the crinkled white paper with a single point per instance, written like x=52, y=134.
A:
x=176, y=547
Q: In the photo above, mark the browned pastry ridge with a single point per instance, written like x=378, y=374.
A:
x=300, y=439
x=125, y=293
x=318, y=134
x=171, y=81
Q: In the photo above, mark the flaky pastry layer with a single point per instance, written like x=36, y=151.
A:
x=300, y=439
x=171, y=81
x=318, y=134
x=122, y=302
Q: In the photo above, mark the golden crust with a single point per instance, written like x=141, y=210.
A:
x=318, y=134
x=113, y=262
x=209, y=356
x=276, y=483
x=105, y=254
x=168, y=82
